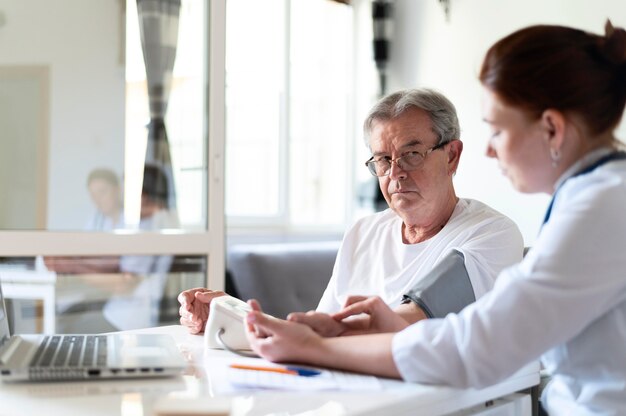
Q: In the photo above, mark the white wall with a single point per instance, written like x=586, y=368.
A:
x=80, y=42
x=432, y=52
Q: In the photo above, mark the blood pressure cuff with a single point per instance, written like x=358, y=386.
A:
x=447, y=288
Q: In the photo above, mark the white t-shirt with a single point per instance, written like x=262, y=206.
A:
x=565, y=300
x=100, y=222
x=373, y=260
x=160, y=220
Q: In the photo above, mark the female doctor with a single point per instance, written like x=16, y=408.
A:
x=554, y=96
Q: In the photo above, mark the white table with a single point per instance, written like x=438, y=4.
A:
x=197, y=388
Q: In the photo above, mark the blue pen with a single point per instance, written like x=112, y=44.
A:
x=306, y=372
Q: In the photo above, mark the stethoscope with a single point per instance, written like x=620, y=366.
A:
x=619, y=155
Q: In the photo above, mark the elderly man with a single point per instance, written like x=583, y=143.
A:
x=413, y=136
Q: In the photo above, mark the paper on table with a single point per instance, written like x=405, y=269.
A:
x=223, y=380
x=327, y=380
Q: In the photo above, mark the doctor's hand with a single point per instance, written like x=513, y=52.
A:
x=369, y=314
x=320, y=322
x=194, y=308
x=279, y=340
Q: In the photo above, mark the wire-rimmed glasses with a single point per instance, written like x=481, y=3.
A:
x=407, y=162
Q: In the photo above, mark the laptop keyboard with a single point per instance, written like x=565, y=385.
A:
x=71, y=351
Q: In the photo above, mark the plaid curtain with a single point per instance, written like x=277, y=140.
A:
x=158, y=25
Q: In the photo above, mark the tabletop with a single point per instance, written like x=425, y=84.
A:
x=202, y=389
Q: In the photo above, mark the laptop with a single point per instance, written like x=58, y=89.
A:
x=85, y=357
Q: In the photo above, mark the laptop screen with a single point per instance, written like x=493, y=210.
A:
x=4, y=322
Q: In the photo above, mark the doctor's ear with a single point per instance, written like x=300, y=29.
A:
x=553, y=124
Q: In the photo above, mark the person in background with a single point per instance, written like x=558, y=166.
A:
x=106, y=193
x=554, y=96
x=146, y=275
x=132, y=285
x=155, y=214
x=413, y=136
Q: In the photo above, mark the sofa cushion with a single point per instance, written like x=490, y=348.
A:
x=285, y=277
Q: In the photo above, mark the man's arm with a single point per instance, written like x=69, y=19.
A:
x=356, y=318
x=410, y=312
x=84, y=264
x=446, y=288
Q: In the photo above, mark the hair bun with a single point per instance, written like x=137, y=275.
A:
x=614, y=44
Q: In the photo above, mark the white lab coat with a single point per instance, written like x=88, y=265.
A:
x=567, y=297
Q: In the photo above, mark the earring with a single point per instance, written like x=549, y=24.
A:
x=555, y=155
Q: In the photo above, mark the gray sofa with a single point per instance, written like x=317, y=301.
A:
x=285, y=277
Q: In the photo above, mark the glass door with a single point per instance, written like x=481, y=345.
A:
x=111, y=164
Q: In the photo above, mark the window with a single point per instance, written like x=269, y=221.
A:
x=83, y=111
x=289, y=114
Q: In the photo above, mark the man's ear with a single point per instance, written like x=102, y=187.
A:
x=553, y=126
x=455, y=148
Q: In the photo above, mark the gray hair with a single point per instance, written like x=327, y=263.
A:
x=445, y=123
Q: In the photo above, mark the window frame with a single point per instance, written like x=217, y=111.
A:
x=281, y=223
x=208, y=242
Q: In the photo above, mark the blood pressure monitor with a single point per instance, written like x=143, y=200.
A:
x=225, y=326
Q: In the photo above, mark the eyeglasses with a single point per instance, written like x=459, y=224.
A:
x=407, y=162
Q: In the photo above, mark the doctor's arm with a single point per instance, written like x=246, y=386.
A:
x=283, y=341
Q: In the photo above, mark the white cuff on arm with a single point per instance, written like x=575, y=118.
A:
x=446, y=289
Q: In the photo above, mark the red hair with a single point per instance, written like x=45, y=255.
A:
x=542, y=67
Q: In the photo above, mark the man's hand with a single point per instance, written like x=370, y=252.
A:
x=194, y=308
x=322, y=323
x=278, y=340
x=380, y=317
